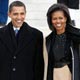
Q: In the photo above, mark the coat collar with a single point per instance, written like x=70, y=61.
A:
x=51, y=38
x=8, y=37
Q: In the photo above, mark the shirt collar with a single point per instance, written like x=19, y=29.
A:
x=16, y=28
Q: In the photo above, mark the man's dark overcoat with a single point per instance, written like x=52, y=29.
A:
x=21, y=58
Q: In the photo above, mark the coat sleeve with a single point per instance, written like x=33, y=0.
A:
x=50, y=58
x=39, y=61
x=49, y=69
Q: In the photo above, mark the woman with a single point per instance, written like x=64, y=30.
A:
x=62, y=45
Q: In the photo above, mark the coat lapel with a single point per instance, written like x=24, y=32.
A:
x=48, y=43
x=24, y=37
x=8, y=39
x=49, y=40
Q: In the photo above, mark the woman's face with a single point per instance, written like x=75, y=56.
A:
x=59, y=21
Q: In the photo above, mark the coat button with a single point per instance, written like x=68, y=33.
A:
x=14, y=69
x=14, y=57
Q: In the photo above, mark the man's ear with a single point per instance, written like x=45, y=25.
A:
x=9, y=14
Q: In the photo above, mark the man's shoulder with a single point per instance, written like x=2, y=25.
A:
x=3, y=28
x=36, y=32
x=33, y=29
x=2, y=31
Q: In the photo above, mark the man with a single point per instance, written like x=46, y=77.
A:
x=21, y=55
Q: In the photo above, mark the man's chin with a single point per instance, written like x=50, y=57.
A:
x=19, y=25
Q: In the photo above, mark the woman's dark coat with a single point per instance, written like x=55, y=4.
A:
x=21, y=59
x=73, y=37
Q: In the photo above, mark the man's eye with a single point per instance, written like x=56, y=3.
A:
x=22, y=13
x=15, y=14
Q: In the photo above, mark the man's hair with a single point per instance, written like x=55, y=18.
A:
x=17, y=4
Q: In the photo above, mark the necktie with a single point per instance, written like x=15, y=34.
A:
x=16, y=32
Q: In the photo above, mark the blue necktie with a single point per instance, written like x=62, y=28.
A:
x=16, y=32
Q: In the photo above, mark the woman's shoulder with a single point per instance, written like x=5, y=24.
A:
x=50, y=36
x=73, y=30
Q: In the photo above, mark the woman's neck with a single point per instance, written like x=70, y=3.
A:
x=60, y=31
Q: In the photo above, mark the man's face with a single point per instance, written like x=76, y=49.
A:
x=17, y=15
